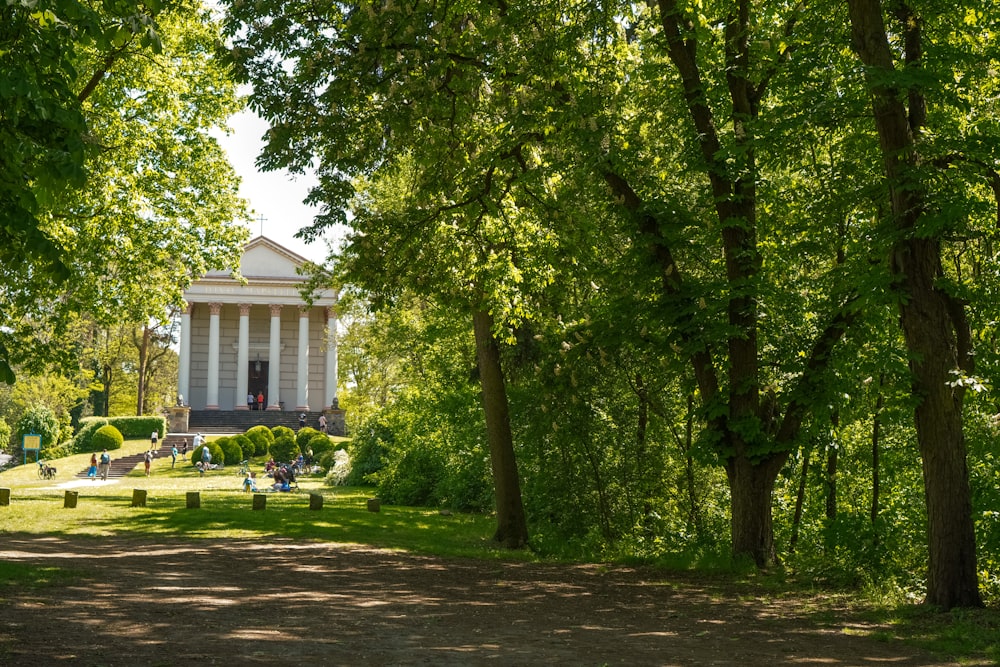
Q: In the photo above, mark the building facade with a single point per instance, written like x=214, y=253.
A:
x=259, y=338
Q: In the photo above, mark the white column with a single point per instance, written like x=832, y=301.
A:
x=331, y=358
x=302, y=376
x=243, y=358
x=184, y=363
x=212, y=389
x=274, y=360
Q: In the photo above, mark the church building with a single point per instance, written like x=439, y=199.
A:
x=259, y=339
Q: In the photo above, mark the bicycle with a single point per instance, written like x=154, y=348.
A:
x=244, y=468
x=45, y=471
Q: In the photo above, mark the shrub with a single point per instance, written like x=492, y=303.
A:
x=246, y=445
x=412, y=480
x=304, y=435
x=83, y=440
x=39, y=420
x=319, y=444
x=231, y=451
x=217, y=454
x=328, y=459
x=139, y=427
x=262, y=437
x=129, y=427
x=107, y=437
x=283, y=431
x=468, y=484
x=368, y=451
x=338, y=466
x=5, y=433
x=284, y=449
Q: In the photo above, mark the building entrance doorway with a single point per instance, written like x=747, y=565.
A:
x=257, y=382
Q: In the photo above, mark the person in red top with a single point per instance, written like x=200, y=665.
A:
x=260, y=401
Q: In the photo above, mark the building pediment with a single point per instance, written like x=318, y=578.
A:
x=262, y=258
x=270, y=274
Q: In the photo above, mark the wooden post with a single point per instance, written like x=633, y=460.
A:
x=69, y=500
x=374, y=505
x=4, y=497
x=315, y=501
x=193, y=500
x=138, y=497
x=259, y=501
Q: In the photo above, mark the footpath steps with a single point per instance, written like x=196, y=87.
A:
x=238, y=421
x=122, y=466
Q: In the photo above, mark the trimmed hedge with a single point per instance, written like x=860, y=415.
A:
x=217, y=454
x=231, y=450
x=262, y=437
x=305, y=434
x=247, y=446
x=319, y=444
x=107, y=437
x=284, y=449
x=129, y=427
x=282, y=432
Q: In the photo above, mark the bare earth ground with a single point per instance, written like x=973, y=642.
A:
x=244, y=603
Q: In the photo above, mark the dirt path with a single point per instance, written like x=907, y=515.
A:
x=241, y=603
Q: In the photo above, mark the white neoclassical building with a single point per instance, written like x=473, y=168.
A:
x=258, y=338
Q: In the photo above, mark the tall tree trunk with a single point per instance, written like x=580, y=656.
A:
x=934, y=325
x=512, y=528
x=752, y=485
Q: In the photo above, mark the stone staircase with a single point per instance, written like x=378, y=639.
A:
x=238, y=421
x=121, y=466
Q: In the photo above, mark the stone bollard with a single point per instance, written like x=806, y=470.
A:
x=259, y=501
x=138, y=497
x=69, y=500
x=4, y=497
x=374, y=505
x=315, y=501
x=193, y=500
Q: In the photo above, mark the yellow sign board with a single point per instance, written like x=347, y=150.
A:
x=32, y=442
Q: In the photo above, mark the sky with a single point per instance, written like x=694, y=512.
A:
x=275, y=197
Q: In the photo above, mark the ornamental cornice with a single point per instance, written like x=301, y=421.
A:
x=252, y=294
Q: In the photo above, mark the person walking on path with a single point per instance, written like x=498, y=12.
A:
x=173, y=456
x=92, y=471
x=322, y=423
x=206, y=456
x=152, y=440
x=105, y=465
x=147, y=460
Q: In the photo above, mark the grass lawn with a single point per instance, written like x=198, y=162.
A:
x=105, y=508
